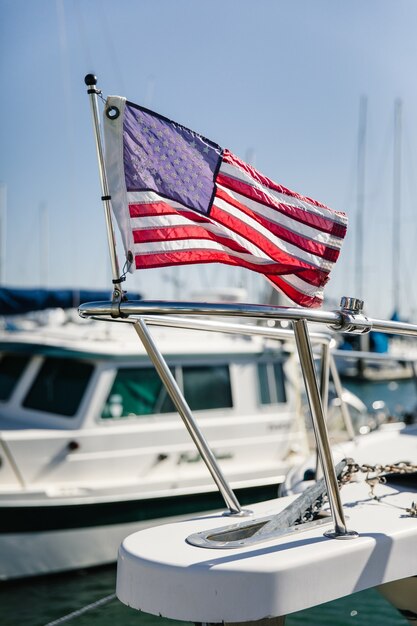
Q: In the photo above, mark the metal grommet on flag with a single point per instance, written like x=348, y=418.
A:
x=112, y=112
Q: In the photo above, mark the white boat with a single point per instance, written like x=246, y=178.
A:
x=92, y=447
x=362, y=365
x=290, y=553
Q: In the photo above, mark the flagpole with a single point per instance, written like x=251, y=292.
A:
x=91, y=82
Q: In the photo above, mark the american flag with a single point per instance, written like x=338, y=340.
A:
x=180, y=199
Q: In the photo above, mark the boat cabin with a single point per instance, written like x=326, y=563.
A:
x=85, y=407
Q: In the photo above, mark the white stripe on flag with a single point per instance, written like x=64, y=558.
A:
x=173, y=245
x=151, y=197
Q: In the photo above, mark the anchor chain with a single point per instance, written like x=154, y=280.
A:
x=312, y=512
x=376, y=475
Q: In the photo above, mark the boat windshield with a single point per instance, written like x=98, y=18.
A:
x=11, y=369
x=140, y=391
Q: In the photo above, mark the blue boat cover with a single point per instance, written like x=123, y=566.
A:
x=16, y=301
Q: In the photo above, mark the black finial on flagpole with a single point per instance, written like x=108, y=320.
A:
x=90, y=80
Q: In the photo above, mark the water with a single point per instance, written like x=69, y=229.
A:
x=40, y=601
x=37, y=602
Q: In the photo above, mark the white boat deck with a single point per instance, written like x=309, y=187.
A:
x=160, y=573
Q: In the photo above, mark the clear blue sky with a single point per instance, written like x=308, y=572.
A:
x=277, y=82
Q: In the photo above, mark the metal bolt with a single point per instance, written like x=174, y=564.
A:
x=353, y=305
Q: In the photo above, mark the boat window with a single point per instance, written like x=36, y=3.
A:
x=11, y=368
x=137, y=391
x=272, y=382
x=207, y=387
x=59, y=386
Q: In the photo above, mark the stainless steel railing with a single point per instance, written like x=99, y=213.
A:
x=348, y=319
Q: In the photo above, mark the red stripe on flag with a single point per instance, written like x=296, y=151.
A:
x=183, y=233
x=192, y=256
x=294, y=294
x=202, y=255
x=163, y=208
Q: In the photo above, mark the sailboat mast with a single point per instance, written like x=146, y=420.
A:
x=396, y=224
x=43, y=245
x=3, y=204
x=360, y=199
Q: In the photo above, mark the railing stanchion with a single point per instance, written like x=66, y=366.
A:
x=343, y=406
x=324, y=376
x=324, y=390
x=320, y=430
x=187, y=417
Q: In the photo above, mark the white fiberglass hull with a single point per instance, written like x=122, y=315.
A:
x=47, y=536
x=34, y=554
